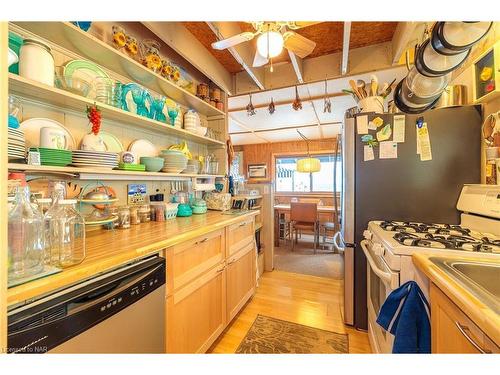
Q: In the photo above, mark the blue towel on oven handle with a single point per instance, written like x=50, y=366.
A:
x=405, y=314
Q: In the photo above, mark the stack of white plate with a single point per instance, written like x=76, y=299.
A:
x=95, y=159
x=16, y=144
x=175, y=161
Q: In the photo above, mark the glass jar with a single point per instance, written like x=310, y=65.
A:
x=67, y=234
x=144, y=213
x=112, y=211
x=134, y=215
x=26, y=244
x=124, y=217
x=44, y=204
x=36, y=62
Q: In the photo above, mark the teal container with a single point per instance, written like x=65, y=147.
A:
x=15, y=43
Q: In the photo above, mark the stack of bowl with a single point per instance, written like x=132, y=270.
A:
x=174, y=161
x=16, y=144
x=53, y=156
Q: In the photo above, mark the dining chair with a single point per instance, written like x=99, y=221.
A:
x=303, y=216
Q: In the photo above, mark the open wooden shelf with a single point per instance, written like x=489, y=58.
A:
x=105, y=174
x=82, y=43
x=30, y=89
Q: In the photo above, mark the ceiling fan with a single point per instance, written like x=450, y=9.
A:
x=272, y=37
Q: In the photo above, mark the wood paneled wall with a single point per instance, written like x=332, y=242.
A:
x=262, y=153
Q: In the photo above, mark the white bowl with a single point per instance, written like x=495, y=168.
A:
x=12, y=59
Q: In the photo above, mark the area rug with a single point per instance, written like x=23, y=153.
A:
x=274, y=336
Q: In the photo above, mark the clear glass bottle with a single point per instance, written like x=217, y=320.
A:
x=26, y=244
x=67, y=234
x=51, y=256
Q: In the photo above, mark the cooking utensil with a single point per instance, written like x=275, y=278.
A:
x=374, y=85
x=361, y=87
x=387, y=90
x=354, y=88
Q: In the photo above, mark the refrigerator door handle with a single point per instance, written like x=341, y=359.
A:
x=337, y=243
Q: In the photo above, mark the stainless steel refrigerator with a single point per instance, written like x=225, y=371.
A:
x=405, y=188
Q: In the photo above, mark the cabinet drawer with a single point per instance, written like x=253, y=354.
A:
x=452, y=330
x=192, y=258
x=240, y=235
x=196, y=313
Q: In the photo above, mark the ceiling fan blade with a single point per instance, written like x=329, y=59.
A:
x=232, y=41
x=298, y=44
x=299, y=24
x=259, y=60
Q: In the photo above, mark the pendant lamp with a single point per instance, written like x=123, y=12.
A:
x=309, y=164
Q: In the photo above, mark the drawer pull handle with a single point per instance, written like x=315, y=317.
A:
x=231, y=262
x=221, y=269
x=465, y=331
x=201, y=241
x=243, y=224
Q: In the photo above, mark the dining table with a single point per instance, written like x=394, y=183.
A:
x=281, y=209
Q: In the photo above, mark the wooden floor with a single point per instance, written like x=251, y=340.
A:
x=309, y=300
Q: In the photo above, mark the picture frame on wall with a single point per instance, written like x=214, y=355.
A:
x=257, y=171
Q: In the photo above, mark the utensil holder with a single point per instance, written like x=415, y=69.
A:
x=372, y=104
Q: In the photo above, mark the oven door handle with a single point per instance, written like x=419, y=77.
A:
x=388, y=277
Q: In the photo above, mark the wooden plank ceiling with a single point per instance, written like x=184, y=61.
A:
x=327, y=35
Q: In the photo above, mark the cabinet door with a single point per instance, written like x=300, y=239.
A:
x=452, y=330
x=240, y=235
x=192, y=258
x=240, y=271
x=196, y=313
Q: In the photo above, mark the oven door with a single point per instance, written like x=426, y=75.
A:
x=381, y=282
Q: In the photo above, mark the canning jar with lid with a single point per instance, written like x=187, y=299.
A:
x=144, y=213
x=36, y=62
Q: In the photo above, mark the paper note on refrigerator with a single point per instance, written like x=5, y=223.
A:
x=368, y=153
x=424, y=142
x=388, y=150
x=362, y=122
x=399, y=129
x=385, y=133
x=371, y=125
x=418, y=141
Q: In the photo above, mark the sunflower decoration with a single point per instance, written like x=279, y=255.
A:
x=176, y=75
x=131, y=46
x=119, y=37
x=166, y=68
x=152, y=61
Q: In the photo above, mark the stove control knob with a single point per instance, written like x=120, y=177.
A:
x=378, y=249
x=367, y=234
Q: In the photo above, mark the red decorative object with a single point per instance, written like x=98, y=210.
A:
x=94, y=116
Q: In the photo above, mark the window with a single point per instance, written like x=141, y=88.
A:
x=289, y=180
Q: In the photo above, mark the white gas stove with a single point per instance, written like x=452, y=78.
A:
x=388, y=247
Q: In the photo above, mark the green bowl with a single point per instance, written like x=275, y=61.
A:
x=153, y=164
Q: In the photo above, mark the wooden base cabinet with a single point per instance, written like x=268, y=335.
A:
x=196, y=313
x=453, y=331
x=240, y=278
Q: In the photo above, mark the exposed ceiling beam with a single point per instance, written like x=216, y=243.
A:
x=405, y=36
x=284, y=128
x=297, y=66
x=285, y=102
x=345, y=47
x=242, y=53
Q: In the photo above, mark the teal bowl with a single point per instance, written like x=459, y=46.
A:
x=152, y=164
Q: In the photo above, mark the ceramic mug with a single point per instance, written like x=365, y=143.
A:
x=53, y=138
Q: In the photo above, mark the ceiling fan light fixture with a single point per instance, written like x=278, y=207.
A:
x=270, y=44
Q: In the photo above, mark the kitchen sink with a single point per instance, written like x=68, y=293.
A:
x=482, y=279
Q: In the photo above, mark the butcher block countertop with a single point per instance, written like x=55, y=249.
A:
x=481, y=314
x=108, y=249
